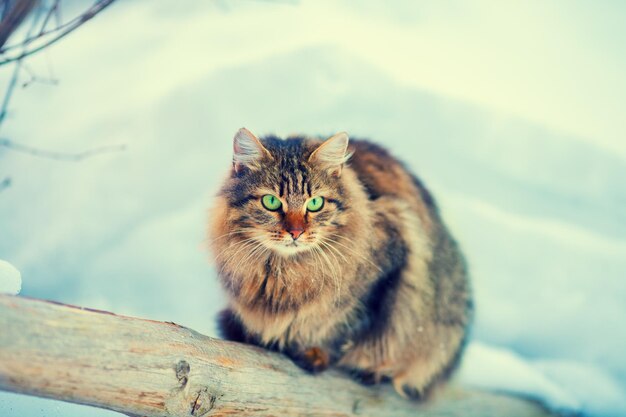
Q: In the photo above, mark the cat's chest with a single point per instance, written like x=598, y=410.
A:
x=280, y=286
x=311, y=325
x=289, y=302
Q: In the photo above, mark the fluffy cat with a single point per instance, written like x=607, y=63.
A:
x=336, y=256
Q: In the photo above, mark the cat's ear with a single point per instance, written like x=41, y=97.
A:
x=333, y=153
x=248, y=151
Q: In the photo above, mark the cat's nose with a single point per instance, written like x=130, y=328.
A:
x=295, y=233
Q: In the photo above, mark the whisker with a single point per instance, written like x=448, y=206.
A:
x=335, y=276
x=247, y=243
x=338, y=296
x=241, y=263
x=329, y=245
x=234, y=245
x=246, y=230
x=353, y=251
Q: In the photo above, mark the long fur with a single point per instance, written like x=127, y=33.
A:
x=376, y=284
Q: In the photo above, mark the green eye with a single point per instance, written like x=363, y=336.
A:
x=315, y=204
x=271, y=202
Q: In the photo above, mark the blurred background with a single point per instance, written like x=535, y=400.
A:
x=513, y=113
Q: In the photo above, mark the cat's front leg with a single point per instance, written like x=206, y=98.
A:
x=230, y=326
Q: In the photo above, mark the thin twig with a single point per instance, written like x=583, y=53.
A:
x=15, y=12
x=16, y=72
x=60, y=156
x=28, y=39
x=9, y=93
x=35, y=78
x=5, y=183
x=52, y=10
x=61, y=30
x=68, y=28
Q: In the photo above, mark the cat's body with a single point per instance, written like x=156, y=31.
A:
x=371, y=282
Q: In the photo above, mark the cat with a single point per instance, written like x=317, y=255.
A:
x=336, y=255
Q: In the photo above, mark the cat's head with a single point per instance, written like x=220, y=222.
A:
x=285, y=196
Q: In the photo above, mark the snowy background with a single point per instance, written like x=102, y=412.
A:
x=513, y=114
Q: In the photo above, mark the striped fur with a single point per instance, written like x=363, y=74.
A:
x=375, y=284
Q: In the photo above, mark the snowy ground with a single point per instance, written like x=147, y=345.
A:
x=513, y=115
x=10, y=279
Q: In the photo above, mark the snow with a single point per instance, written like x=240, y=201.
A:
x=10, y=279
x=563, y=386
x=13, y=405
x=488, y=367
x=598, y=393
x=528, y=175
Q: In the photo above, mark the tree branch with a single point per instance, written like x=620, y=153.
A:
x=59, y=33
x=13, y=15
x=60, y=156
x=5, y=183
x=148, y=368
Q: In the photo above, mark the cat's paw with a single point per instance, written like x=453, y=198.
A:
x=410, y=390
x=364, y=377
x=412, y=393
x=313, y=360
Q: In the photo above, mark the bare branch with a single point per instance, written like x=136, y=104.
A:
x=8, y=94
x=34, y=78
x=13, y=15
x=149, y=368
x=14, y=77
x=5, y=183
x=53, y=10
x=58, y=33
x=60, y=156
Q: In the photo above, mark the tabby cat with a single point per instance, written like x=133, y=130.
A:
x=336, y=256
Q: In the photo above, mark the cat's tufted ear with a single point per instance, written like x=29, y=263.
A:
x=333, y=153
x=248, y=151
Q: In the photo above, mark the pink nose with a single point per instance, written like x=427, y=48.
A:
x=295, y=233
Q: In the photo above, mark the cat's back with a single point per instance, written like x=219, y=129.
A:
x=383, y=175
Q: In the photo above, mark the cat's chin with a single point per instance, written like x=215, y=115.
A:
x=291, y=249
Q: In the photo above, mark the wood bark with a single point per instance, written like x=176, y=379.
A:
x=149, y=368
